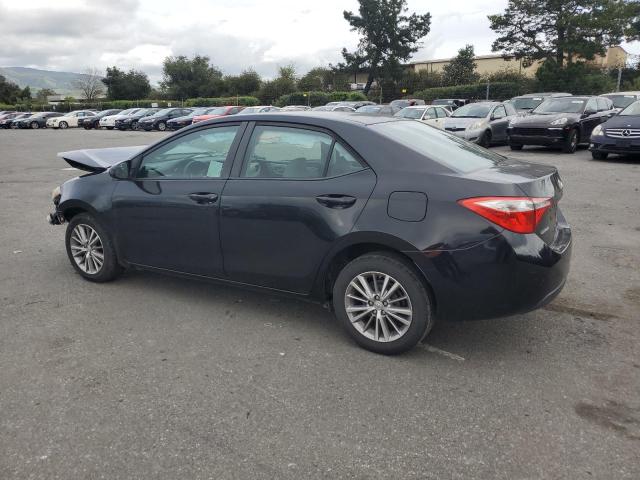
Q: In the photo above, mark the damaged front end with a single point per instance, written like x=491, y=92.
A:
x=56, y=217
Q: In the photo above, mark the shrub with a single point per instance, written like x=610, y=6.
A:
x=221, y=101
x=476, y=91
x=577, y=78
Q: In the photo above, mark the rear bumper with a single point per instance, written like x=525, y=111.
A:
x=506, y=275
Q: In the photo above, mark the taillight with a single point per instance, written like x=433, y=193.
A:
x=518, y=214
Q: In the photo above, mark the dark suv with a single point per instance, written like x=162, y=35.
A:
x=561, y=122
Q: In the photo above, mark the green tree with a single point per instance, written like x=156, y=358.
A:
x=9, y=91
x=317, y=79
x=25, y=94
x=246, y=83
x=388, y=36
x=461, y=70
x=190, y=78
x=578, y=78
x=131, y=85
x=283, y=84
x=43, y=93
x=564, y=29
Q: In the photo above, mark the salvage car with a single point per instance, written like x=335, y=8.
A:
x=8, y=120
x=37, y=120
x=94, y=122
x=69, y=120
x=526, y=103
x=620, y=134
x=484, y=123
x=431, y=115
x=158, y=120
x=130, y=122
x=216, y=112
x=109, y=121
x=309, y=204
x=622, y=100
x=562, y=122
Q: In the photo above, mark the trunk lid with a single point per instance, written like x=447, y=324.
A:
x=99, y=159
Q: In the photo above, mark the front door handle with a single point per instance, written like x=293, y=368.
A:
x=336, y=201
x=204, y=198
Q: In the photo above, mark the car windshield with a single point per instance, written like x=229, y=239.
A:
x=369, y=109
x=560, y=105
x=128, y=112
x=631, y=110
x=621, y=101
x=442, y=102
x=216, y=111
x=473, y=110
x=198, y=111
x=163, y=112
x=440, y=146
x=527, y=103
x=415, y=113
x=250, y=110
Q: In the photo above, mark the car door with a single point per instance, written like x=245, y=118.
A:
x=430, y=117
x=590, y=118
x=167, y=215
x=499, y=123
x=442, y=114
x=296, y=190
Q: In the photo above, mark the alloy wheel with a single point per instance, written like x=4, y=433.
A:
x=87, y=249
x=378, y=306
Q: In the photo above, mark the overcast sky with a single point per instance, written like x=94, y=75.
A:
x=73, y=35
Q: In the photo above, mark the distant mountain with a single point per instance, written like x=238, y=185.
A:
x=61, y=82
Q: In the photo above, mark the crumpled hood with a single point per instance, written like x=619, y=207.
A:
x=99, y=159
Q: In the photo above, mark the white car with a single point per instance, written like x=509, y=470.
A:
x=109, y=122
x=429, y=114
x=69, y=119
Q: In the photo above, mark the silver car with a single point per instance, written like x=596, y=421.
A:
x=483, y=123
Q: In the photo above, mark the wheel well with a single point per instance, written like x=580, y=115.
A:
x=69, y=213
x=354, y=251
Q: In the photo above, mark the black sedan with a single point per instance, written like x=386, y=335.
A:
x=563, y=122
x=10, y=120
x=186, y=120
x=130, y=121
x=37, y=120
x=620, y=134
x=158, y=121
x=94, y=122
x=391, y=222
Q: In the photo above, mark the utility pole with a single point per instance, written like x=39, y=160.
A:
x=619, y=79
x=488, y=90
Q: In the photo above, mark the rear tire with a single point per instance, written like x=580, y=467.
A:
x=571, y=142
x=515, y=147
x=599, y=155
x=162, y=126
x=88, y=244
x=379, y=324
x=63, y=125
x=35, y=125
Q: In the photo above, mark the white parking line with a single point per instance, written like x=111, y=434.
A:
x=69, y=169
x=444, y=353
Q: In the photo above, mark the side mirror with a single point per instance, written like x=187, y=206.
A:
x=121, y=171
x=588, y=112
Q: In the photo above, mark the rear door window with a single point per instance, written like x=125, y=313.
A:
x=286, y=152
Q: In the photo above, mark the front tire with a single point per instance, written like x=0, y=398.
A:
x=162, y=126
x=485, y=140
x=599, y=155
x=382, y=303
x=90, y=249
x=63, y=125
x=35, y=125
x=571, y=142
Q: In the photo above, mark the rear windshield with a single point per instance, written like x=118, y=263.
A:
x=440, y=146
x=621, y=101
x=527, y=103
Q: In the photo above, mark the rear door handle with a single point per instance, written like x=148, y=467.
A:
x=204, y=198
x=336, y=201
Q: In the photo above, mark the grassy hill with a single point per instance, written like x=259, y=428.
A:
x=61, y=82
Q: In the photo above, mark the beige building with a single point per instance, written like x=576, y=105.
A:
x=487, y=64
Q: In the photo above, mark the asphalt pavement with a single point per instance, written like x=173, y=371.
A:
x=159, y=377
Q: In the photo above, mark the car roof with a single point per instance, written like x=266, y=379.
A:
x=621, y=93
x=308, y=117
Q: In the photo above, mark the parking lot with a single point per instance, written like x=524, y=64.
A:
x=159, y=377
